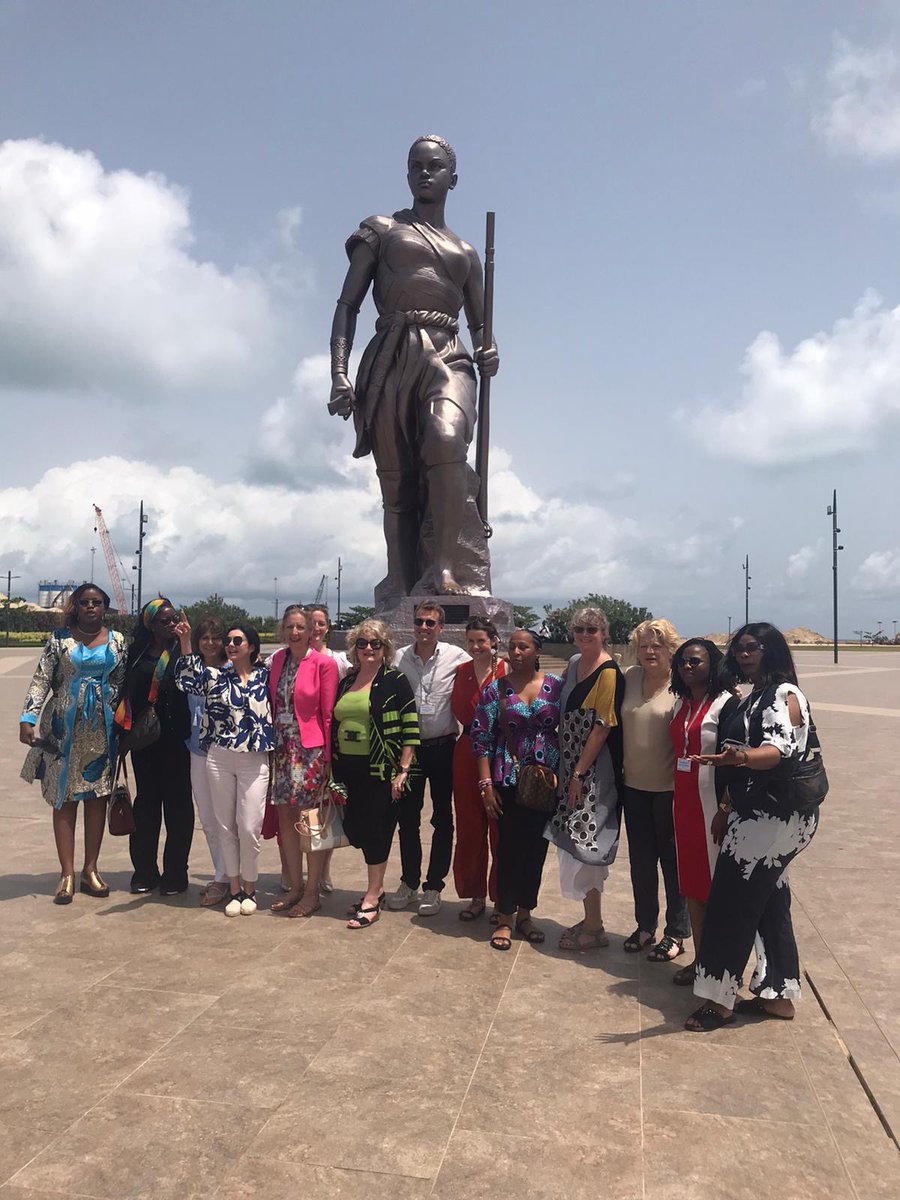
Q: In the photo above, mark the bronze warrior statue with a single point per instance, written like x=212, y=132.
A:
x=414, y=403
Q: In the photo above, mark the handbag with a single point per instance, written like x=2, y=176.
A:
x=143, y=732
x=121, y=813
x=809, y=782
x=321, y=827
x=536, y=784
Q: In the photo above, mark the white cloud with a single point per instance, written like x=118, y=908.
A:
x=860, y=111
x=800, y=561
x=879, y=572
x=98, y=286
x=831, y=394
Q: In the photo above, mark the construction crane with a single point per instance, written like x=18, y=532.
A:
x=321, y=591
x=111, y=556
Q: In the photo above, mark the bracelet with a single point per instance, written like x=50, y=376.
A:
x=724, y=808
x=580, y=775
x=483, y=785
x=744, y=763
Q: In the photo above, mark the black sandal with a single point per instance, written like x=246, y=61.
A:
x=363, y=921
x=354, y=908
x=472, y=914
x=706, y=1019
x=662, y=952
x=535, y=936
x=755, y=1007
x=634, y=943
x=685, y=976
x=502, y=941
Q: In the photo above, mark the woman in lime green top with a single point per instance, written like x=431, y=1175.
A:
x=374, y=730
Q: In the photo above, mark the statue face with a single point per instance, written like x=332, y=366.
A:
x=428, y=172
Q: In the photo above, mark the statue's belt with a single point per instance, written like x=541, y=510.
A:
x=390, y=328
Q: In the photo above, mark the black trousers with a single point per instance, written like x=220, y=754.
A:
x=370, y=814
x=521, y=850
x=435, y=768
x=651, y=845
x=163, y=779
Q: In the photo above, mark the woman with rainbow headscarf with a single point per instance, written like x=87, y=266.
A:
x=162, y=767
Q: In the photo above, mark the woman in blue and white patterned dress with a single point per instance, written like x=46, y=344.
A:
x=240, y=737
x=750, y=900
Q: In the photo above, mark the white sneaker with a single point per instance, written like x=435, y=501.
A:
x=233, y=907
x=248, y=905
x=431, y=904
x=402, y=898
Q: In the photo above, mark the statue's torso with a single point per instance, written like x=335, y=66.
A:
x=418, y=267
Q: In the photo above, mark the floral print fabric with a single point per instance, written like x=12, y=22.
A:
x=238, y=715
x=533, y=736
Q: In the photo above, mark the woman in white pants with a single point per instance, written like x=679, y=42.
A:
x=240, y=737
x=208, y=641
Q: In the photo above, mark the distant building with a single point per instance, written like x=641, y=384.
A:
x=54, y=594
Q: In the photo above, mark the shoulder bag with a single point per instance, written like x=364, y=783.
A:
x=121, y=813
x=809, y=782
x=321, y=827
x=536, y=784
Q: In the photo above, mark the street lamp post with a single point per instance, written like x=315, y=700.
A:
x=832, y=512
x=9, y=578
x=894, y=623
x=93, y=552
x=747, y=578
x=276, y=599
x=139, y=566
x=729, y=627
x=337, y=577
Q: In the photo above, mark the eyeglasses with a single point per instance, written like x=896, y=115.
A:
x=693, y=661
x=582, y=629
x=91, y=604
x=430, y=622
x=230, y=641
x=368, y=643
x=748, y=648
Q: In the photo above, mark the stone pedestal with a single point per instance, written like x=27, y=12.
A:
x=459, y=609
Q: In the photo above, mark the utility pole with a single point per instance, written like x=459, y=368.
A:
x=139, y=567
x=276, y=599
x=859, y=634
x=93, y=552
x=9, y=578
x=338, y=579
x=832, y=512
x=747, y=578
x=729, y=627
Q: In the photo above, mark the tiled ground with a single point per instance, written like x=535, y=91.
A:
x=149, y=1048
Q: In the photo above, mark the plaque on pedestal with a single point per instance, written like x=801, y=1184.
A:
x=458, y=609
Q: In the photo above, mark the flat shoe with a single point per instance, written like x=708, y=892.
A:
x=755, y=1007
x=299, y=911
x=473, y=913
x=662, y=952
x=580, y=939
x=326, y=887
x=635, y=943
x=532, y=935
x=706, y=1019
x=213, y=894
x=685, y=976
x=502, y=941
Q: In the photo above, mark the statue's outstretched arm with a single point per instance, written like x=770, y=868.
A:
x=487, y=358
x=358, y=280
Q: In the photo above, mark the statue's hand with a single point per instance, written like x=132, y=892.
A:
x=342, y=398
x=488, y=361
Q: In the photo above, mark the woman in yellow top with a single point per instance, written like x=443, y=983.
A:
x=649, y=787
x=585, y=826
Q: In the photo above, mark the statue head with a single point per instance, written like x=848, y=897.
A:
x=431, y=168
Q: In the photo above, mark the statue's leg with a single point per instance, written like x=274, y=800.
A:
x=399, y=493
x=445, y=441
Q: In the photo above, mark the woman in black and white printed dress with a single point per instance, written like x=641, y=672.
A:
x=750, y=900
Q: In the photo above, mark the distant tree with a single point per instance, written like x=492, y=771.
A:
x=524, y=617
x=217, y=606
x=355, y=615
x=623, y=617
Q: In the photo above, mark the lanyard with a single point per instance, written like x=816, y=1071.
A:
x=692, y=720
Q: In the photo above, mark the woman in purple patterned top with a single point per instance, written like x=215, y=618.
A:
x=526, y=731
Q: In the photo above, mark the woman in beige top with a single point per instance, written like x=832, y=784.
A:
x=649, y=773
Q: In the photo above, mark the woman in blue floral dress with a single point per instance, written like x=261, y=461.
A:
x=524, y=731
x=81, y=671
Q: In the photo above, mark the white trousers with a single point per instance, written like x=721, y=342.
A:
x=238, y=781
x=203, y=801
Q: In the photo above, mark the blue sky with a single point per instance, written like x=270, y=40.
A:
x=672, y=182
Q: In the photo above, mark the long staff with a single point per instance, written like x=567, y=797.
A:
x=482, y=443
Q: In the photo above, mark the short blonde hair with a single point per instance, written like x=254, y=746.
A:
x=291, y=611
x=371, y=627
x=590, y=616
x=661, y=630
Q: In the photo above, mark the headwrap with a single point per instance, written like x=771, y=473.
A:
x=151, y=608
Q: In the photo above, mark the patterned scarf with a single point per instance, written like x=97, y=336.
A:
x=123, y=717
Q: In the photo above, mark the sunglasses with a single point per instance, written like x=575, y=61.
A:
x=585, y=629
x=91, y=604
x=748, y=648
x=693, y=661
x=368, y=643
x=430, y=622
x=230, y=641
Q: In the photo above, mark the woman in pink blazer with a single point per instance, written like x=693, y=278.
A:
x=302, y=688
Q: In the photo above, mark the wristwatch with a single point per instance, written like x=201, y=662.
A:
x=580, y=775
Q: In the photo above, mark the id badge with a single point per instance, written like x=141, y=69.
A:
x=426, y=708
x=683, y=764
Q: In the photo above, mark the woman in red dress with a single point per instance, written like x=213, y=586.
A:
x=474, y=829
x=706, y=699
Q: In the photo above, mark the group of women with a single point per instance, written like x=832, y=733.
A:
x=704, y=777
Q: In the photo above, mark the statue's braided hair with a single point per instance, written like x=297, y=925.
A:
x=439, y=141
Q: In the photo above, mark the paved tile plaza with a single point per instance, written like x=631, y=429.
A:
x=149, y=1048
